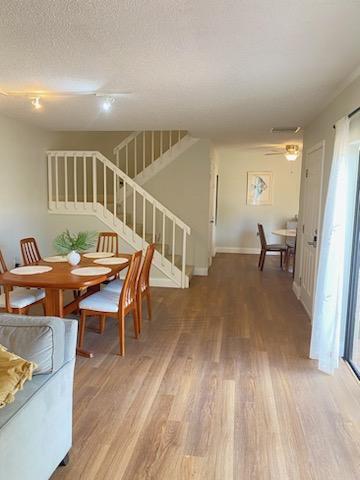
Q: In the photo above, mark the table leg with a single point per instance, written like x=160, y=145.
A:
x=54, y=307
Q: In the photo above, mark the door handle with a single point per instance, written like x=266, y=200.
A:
x=312, y=243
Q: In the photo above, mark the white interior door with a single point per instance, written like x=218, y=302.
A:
x=212, y=209
x=311, y=224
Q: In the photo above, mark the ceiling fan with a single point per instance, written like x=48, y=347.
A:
x=291, y=152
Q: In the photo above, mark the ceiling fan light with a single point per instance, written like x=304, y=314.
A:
x=291, y=157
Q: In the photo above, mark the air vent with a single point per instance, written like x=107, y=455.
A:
x=285, y=129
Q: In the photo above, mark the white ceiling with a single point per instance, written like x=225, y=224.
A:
x=225, y=69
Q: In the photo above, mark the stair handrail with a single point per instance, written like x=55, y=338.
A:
x=126, y=140
x=139, y=164
x=123, y=176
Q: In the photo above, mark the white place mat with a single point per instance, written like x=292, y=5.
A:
x=30, y=270
x=56, y=259
x=98, y=255
x=90, y=271
x=111, y=261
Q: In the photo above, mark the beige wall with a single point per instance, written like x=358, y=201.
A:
x=103, y=142
x=183, y=187
x=321, y=128
x=236, y=228
x=23, y=186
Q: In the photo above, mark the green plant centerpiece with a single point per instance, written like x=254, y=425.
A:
x=72, y=245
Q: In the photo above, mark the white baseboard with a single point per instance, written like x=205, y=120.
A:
x=296, y=289
x=162, y=282
x=243, y=250
x=201, y=271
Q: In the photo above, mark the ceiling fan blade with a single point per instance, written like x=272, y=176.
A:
x=274, y=153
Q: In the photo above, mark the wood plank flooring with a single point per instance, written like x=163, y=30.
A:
x=218, y=387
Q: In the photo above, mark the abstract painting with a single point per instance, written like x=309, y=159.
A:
x=259, y=188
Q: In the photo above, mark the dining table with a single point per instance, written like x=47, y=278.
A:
x=61, y=278
x=288, y=233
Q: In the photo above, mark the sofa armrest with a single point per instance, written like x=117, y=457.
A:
x=47, y=341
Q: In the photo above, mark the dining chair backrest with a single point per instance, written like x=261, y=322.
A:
x=262, y=236
x=3, y=267
x=128, y=291
x=29, y=251
x=144, y=276
x=108, y=242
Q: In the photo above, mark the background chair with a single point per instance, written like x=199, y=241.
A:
x=29, y=251
x=265, y=247
x=112, y=304
x=108, y=242
x=19, y=300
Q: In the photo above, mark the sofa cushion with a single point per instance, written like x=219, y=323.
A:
x=38, y=339
x=14, y=371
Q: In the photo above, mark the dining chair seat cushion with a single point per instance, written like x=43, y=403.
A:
x=103, y=301
x=276, y=247
x=22, y=297
x=114, y=286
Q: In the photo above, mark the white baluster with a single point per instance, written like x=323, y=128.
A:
x=144, y=222
x=56, y=181
x=124, y=205
x=173, y=247
x=144, y=160
x=127, y=159
x=183, y=266
x=75, y=182
x=85, y=181
x=134, y=213
x=179, y=135
x=105, y=192
x=135, y=154
x=94, y=182
x=115, y=196
x=152, y=146
x=170, y=139
x=153, y=224
x=163, y=238
x=161, y=143
x=66, y=180
x=49, y=180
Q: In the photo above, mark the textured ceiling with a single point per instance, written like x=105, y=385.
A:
x=224, y=69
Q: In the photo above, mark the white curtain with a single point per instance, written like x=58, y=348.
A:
x=330, y=303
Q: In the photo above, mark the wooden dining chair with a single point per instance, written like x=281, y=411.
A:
x=112, y=304
x=108, y=242
x=19, y=300
x=143, y=283
x=265, y=247
x=30, y=251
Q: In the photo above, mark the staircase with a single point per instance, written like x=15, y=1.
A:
x=88, y=183
x=144, y=154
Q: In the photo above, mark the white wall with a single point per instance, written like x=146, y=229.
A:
x=321, y=128
x=23, y=186
x=236, y=228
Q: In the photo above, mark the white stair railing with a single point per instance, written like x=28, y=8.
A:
x=87, y=182
x=141, y=149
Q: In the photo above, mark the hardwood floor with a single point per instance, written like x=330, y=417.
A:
x=218, y=387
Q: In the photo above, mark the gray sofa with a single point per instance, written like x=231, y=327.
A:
x=36, y=429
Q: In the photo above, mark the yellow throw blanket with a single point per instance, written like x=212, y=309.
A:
x=14, y=371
